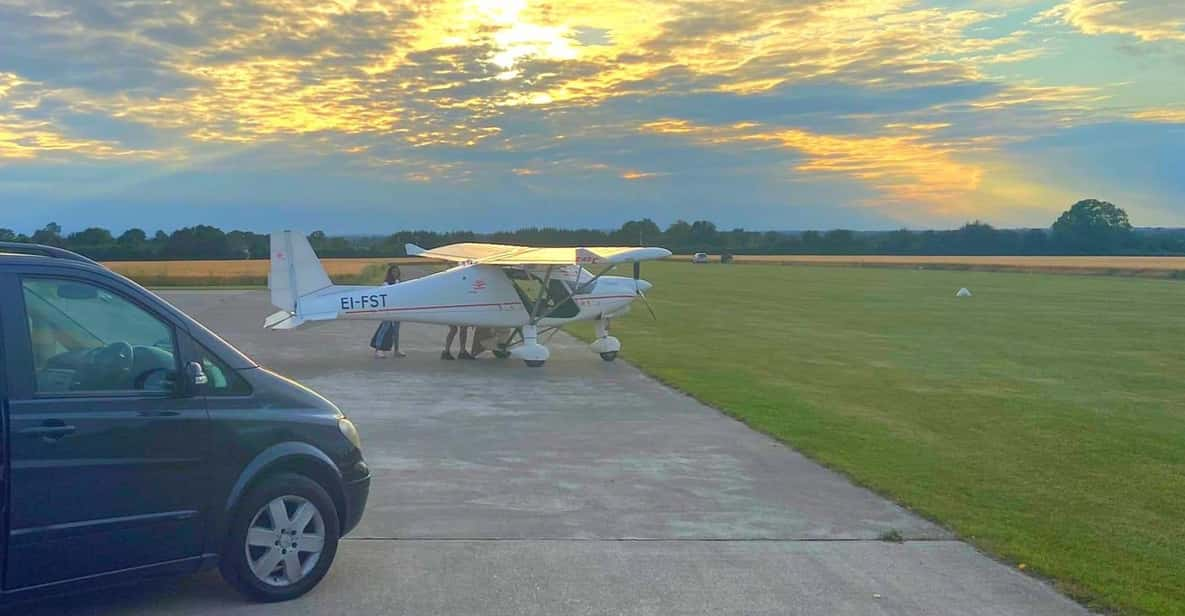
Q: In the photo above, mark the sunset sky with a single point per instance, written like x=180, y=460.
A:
x=358, y=116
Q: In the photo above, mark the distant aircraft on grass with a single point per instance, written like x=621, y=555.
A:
x=522, y=292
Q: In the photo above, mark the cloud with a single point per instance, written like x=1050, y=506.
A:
x=899, y=105
x=904, y=168
x=438, y=73
x=23, y=136
x=1165, y=115
x=1147, y=20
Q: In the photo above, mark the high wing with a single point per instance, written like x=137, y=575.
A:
x=507, y=255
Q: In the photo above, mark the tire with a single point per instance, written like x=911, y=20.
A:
x=501, y=354
x=287, y=578
x=534, y=363
x=609, y=356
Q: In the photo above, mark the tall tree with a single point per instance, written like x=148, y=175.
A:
x=1092, y=226
x=703, y=233
x=678, y=234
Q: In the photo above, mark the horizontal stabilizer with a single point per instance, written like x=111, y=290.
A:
x=277, y=318
x=284, y=321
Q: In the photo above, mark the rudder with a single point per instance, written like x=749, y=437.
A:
x=295, y=270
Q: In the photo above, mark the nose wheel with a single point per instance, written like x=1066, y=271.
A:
x=605, y=345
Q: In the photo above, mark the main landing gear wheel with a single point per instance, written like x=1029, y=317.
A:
x=533, y=363
x=610, y=356
x=282, y=539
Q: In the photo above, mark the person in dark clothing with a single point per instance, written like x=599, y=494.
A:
x=386, y=338
x=462, y=353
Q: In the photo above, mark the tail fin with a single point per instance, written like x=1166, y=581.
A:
x=296, y=270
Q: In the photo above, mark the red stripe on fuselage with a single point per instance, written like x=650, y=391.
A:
x=449, y=306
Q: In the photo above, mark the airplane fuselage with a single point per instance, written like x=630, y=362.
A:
x=477, y=295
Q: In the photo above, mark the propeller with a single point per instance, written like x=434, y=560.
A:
x=638, y=290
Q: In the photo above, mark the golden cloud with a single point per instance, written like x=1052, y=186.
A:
x=440, y=73
x=1147, y=20
x=906, y=169
x=27, y=139
x=913, y=173
x=1164, y=114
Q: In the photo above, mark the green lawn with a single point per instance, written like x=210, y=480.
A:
x=1042, y=419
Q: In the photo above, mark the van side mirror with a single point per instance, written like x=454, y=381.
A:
x=197, y=374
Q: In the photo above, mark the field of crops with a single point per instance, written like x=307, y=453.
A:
x=241, y=273
x=1042, y=418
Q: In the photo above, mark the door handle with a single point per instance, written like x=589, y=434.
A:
x=159, y=413
x=51, y=430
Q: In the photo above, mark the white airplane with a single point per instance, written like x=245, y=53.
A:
x=522, y=291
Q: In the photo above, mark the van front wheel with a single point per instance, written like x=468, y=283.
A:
x=282, y=539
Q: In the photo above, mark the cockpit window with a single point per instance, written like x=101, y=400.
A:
x=560, y=303
x=557, y=295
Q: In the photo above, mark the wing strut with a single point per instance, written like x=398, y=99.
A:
x=543, y=293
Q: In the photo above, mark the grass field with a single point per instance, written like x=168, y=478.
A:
x=1042, y=419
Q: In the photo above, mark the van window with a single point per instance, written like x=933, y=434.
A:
x=223, y=380
x=87, y=339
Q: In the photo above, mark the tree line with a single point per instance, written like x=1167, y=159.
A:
x=1089, y=227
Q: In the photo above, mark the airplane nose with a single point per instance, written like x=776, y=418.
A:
x=644, y=286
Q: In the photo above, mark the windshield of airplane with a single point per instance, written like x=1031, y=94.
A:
x=557, y=301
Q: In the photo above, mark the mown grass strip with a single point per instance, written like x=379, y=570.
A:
x=1041, y=419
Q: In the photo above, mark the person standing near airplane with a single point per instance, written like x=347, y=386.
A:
x=386, y=337
x=462, y=352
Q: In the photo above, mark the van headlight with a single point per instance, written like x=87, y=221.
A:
x=350, y=432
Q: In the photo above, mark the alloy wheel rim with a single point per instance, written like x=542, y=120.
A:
x=285, y=540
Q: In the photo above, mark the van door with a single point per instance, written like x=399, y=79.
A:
x=3, y=434
x=108, y=445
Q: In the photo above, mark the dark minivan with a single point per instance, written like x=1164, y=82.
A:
x=137, y=443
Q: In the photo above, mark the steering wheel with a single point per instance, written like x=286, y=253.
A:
x=159, y=378
x=112, y=365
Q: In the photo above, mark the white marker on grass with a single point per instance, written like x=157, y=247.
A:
x=963, y=292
